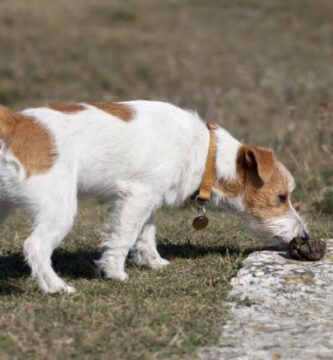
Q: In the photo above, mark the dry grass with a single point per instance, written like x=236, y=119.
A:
x=263, y=69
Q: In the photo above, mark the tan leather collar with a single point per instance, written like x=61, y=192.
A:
x=205, y=190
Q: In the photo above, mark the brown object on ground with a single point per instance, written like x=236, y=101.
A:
x=312, y=250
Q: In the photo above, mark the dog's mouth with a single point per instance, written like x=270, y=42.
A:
x=260, y=230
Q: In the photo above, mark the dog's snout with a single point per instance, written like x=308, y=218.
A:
x=304, y=235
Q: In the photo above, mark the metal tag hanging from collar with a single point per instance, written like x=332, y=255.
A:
x=201, y=220
x=205, y=190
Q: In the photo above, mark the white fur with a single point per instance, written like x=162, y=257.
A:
x=226, y=155
x=156, y=158
x=286, y=227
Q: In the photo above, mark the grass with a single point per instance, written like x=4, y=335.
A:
x=162, y=314
x=263, y=69
x=155, y=314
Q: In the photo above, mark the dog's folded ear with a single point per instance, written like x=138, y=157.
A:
x=258, y=164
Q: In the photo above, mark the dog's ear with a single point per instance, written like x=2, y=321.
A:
x=258, y=163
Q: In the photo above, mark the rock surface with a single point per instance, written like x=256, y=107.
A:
x=282, y=309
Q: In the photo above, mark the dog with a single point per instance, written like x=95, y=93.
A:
x=140, y=155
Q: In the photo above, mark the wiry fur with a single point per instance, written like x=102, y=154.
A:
x=155, y=157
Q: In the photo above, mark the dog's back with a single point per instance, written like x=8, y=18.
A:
x=108, y=145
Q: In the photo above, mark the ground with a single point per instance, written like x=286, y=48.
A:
x=261, y=69
x=281, y=309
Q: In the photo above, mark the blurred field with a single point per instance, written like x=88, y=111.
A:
x=263, y=69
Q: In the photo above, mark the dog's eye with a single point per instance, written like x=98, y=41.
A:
x=282, y=198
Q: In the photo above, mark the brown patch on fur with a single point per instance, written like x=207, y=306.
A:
x=260, y=162
x=28, y=140
x=230, y=188
x=263, y=202
x=66, y=107
x=234, y=187
x=260, y=180
x=122, y=111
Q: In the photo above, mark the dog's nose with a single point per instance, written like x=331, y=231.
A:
x=304, y=235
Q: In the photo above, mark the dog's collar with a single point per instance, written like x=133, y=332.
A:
x=206, y=186
x=204, y=193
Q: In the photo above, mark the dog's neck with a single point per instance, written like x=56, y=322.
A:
x=226, y=157
x=226, y=165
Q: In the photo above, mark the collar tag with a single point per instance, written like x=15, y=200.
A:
x=205, y=190
x=201, y=220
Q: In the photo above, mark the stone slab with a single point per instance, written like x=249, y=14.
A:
x=282, y=309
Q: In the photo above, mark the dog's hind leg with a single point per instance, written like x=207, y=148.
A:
x=128, y=219
x=52, y=222
x=144, y=251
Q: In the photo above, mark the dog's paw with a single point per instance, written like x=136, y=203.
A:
x=158, y=264
x=69, y=289
x=110, y=270
x=58, y=288
x=153, y=262
x=120, y=275
x=102, y=272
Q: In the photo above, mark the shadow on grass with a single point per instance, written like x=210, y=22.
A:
x=7, y=288
x=190, y=251
x=80, y=263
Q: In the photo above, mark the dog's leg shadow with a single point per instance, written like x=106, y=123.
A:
x=7, y=288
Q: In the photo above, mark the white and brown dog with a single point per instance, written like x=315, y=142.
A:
x=141, y=155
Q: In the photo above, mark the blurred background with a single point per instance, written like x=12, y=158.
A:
x=263, y=69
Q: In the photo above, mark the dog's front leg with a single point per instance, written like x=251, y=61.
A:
x=128, y=218
x=145, y=252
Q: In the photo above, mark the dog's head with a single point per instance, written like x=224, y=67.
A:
x=262, y=191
